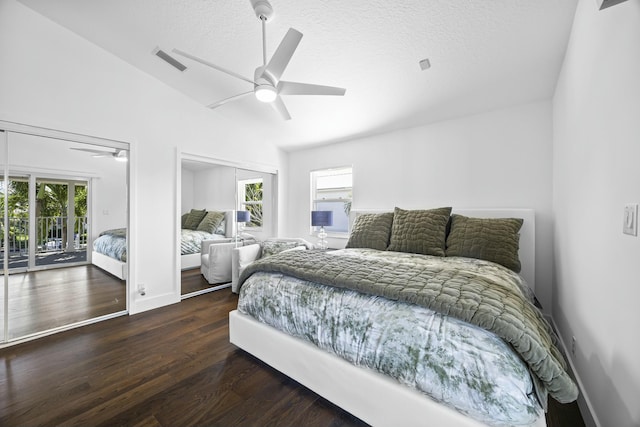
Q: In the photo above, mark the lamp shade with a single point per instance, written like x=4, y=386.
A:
x=321, y=218
x=243, y=216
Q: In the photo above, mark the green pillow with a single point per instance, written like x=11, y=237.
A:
x=183, y=219
x=419, y=231
x=490, y=239
x=371, y=231
x=194, y=218
x=210, y=222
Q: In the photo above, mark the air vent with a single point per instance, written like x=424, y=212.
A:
x=169, y=59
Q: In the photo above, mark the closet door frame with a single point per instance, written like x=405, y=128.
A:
x=7, y=127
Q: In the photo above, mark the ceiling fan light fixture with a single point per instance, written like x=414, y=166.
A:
x=265, y=93
x=121, y=156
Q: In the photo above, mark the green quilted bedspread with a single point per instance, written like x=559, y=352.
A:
x=489, y=301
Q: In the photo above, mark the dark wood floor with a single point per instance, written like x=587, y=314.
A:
x=192, y=281
x=173, y=366
x=47, y=299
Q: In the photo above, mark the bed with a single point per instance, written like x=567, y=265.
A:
x=472, y=385
x=110, y=247
x=110, y=252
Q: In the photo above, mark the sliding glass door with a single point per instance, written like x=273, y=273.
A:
x=60, y=217
x=16, y=192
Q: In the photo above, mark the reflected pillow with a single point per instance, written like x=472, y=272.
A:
x=419, y=231
x=211, y=221
x=221, y=229
x=490, y=239
x=371, y=231
x=274, y=247
x=193, y=219
x=183, y=219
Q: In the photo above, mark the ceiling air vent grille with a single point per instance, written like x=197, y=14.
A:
x=169, y=59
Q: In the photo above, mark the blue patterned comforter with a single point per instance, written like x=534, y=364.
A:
x=461, y=365
x=112, y=243
x=191, y=240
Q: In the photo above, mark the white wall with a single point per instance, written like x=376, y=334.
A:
x=596, y=111
x=495, y=159
x=215, y=188
x=187, y=192
x=52, y=78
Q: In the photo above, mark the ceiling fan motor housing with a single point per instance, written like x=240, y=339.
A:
x=263, y=9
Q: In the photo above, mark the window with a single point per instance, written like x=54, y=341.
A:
x=250, y=199
x=331, y=190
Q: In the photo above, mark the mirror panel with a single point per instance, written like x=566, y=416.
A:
x=61, y=195
x=4, y=175
x=212, y=186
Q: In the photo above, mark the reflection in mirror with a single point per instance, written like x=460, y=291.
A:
x=61, y=196
x=4, y=223
x=220, y=191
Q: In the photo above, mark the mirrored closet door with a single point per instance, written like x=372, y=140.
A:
x=58, y=197
x=211, y=185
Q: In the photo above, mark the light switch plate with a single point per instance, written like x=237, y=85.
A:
x=630, y=220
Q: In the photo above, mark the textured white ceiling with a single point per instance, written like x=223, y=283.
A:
x=484, y=55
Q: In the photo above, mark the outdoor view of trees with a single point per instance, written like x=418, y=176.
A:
x=253, y=202
x=51, y=212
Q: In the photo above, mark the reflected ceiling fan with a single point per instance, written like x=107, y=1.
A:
x=119, y=155
x=267, y=86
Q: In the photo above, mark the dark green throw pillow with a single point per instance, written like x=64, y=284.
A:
x=210, y=222
x=490, y=239
x=183, y=219
x=194, y=218
x=371, y=231
x=419, y=231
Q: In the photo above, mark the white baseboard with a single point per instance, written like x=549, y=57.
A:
x=139, y=303
x=584, y=403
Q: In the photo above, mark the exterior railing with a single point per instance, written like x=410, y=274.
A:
x=51, y=234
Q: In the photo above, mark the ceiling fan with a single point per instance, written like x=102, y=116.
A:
x=267, y=86
x=119, y=155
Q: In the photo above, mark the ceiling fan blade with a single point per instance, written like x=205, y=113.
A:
x=294, y=88
x=214, y=66
x=282, y=55
x=100, y=153
x=231, y=98
x=279, y=106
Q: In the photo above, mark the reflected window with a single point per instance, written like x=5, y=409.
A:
x=332, y=190
x=250, y=198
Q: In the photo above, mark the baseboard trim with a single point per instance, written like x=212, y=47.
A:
x=584, y=403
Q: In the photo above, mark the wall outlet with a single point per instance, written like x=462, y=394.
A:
x=573, y=346
x=630, y=219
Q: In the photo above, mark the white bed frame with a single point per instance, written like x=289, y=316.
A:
x=370, y=396
x=110, y=265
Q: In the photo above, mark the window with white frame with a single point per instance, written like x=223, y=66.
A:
x=331, y=190
x=250, y=196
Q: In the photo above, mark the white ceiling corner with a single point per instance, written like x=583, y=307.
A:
x=484, y=55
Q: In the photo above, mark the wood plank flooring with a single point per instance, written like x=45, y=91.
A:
x=173, y=366
x=47, y=299
x=192, y=281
